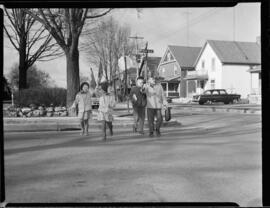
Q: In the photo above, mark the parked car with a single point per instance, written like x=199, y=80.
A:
x=216, y=95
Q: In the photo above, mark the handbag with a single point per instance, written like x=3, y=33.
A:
x=168, y=114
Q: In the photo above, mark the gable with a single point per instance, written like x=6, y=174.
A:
x=206, y=55
x=167, y=57
x=185, y=56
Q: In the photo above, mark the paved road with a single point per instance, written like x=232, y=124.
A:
x=210, y=157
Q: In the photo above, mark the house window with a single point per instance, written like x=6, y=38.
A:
x=212, y=84
x=161, y=71
x=201, y=84
x=213, y=64
x=203, y=64
x=175, y=70
x=173, y=87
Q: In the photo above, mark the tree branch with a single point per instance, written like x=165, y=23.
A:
x=99, y=15
x=10, y=38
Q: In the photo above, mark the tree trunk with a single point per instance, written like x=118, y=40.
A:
x=73, y=71
x=22, y=65
x=22, y=76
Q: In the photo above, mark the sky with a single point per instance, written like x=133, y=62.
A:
x=166, y=26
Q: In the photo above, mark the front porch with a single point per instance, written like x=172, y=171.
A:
x=171, y=86
x=196, y=82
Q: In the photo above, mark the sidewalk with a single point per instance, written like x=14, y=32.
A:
x=233, y=108
x=67, y=123
x=123, y=118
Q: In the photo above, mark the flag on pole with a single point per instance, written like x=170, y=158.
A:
x=100, y=72
x=92, y=80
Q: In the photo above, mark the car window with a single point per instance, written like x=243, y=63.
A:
x=222, y=92
x=207, y=93
x=215, y=92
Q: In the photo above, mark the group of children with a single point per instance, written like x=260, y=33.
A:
x=106, y=105
x=154, y=101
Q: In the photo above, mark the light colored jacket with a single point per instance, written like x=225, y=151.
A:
x=155, y=96
x=84, y=101
x=106, y=103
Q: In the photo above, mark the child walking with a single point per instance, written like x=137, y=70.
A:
x=106, y=105
x=84, y=102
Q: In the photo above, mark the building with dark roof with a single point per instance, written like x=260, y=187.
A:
x=173, y=67
x=225, y=65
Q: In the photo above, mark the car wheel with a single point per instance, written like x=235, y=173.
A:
x=201, y=102
x=226, y=103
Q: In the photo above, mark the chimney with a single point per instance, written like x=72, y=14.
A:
x=258, y=40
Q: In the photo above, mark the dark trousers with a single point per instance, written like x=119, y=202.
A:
x=151, y=114
x=139, y=117
x=104, y=127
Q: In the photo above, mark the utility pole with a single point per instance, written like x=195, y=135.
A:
x=145, y=51
x=137, y=49
x=126, y=84
x=187, y=13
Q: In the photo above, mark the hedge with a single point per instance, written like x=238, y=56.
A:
x=40, y=96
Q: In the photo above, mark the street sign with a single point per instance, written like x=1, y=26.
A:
x=146, y=51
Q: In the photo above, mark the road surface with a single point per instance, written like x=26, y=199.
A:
x=211, y=157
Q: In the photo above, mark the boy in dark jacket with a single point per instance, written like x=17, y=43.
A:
x=138, y=99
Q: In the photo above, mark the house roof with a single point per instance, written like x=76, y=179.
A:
x=171, y=79
x=196, y=77
x=153, y=62
x=235, y=52
x=185, y=56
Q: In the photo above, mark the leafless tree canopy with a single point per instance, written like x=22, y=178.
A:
x=66, y=26
x=107, y=44
x=25, y=33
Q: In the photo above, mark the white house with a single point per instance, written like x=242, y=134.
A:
x=224, y=65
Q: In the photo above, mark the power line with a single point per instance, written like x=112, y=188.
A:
x=193, y=22
x=187, y=13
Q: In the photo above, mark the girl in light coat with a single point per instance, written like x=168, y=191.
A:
x=84, y=102
x=106, y=105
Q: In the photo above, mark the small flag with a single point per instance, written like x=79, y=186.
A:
x=100, y=71
x=92, y=81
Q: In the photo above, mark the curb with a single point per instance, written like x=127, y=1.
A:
x=220, y=109
x=73, y=125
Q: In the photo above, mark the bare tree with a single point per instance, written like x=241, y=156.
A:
x=109, y=42
x=30, y=39
x=66, y=26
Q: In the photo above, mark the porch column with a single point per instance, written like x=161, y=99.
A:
x=167, y=89
x=187, y=88
x=250, y=83
x=179, y=88
x=196, y=86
